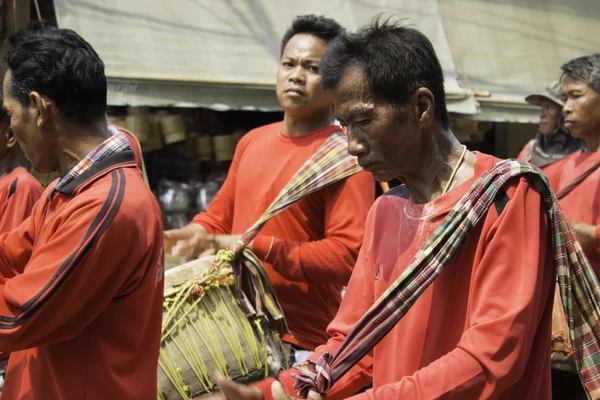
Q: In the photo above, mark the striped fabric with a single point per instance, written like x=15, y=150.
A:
x=578, y=285
x=114, y=144
x=330, y=163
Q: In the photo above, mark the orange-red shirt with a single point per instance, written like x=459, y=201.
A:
x=81, y=290
x=314, y=243
x=482, y=329
x=19, y=191
x=582, y=204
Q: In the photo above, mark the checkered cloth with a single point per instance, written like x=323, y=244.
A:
x=114, y=144
x=330, y=163
x=578, y=285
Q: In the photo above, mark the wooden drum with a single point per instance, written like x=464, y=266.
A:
x=205, y=330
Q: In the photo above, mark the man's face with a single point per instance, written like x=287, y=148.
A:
x=582, y=108
x=386, y=140
x=299, y=88
x=23, y=123
x=549, y=116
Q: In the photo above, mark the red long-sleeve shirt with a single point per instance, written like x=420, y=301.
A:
x=315, y=242
x=19, y=191
x=81, y=290
x=482, y=329
x=582, y=204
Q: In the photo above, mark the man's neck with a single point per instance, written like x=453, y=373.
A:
x=593, y=144
x=77, y=142
x=441, y=155
x=296, y=125
x=9, y=163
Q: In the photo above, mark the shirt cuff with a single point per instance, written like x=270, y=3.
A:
x=262, y=246
x=200, y=221
x=265, y=387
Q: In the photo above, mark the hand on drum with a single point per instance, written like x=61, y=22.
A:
x=231, y=390
x=190, y=242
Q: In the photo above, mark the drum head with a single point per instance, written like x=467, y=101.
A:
x=177, y=276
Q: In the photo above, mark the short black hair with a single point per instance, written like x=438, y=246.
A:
x=324, y=28
x=4, y=118
x=586, y=69
x=61, y=65
x=396, y=60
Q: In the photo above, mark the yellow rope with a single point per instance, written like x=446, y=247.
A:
x=191, y=315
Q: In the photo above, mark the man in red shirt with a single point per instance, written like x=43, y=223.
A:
x=482, y=328
x=19, y=191
x=310, y=249
x=81, y=285
x=576, y=178
x=581, y=91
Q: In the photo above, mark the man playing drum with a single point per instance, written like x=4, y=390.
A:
x=482, y=328
x=82, y=279
x=310, y=249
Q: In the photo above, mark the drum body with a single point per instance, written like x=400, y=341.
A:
x=205, y=330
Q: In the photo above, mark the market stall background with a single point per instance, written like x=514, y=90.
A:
x=190, y=77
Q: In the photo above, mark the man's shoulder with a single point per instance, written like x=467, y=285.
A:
x=260, y=132
x=27, y=182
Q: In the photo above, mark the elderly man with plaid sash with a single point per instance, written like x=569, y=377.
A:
x=452, y=294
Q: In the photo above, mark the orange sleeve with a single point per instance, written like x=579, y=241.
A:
x=218, y=217
x=69, y=279
x=510, y=291
x=23, y=194
x=330, y=260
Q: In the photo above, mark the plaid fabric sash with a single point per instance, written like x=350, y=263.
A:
x=329, y=164
x=578, y=286
x=114, y=144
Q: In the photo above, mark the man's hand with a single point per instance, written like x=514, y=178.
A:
x=193, y=241
x=585, y=234
x=188, y=242
x=231, y=390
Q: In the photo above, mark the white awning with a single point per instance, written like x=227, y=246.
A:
x=224, y=53
x=218, y=53
x=512, y=48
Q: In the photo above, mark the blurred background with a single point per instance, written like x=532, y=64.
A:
x=190, y=77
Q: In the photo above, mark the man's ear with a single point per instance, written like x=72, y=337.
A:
x=42, y=108
x=426, y=107
x=11, y=140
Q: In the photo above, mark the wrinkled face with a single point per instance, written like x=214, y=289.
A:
x=549, y=116
x=582, y=108
x=385, y=139
x=299, y=88
x=24, y=123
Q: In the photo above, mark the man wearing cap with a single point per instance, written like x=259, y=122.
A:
x=552, y=142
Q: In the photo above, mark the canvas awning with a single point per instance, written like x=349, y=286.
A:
x=508, y=49
x=221, y=53
x=224, y=53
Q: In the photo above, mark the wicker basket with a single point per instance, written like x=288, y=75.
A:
x=224, y=146
x=204, y=148
x=173, y=128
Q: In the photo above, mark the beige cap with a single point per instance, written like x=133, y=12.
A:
x=552, y=93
